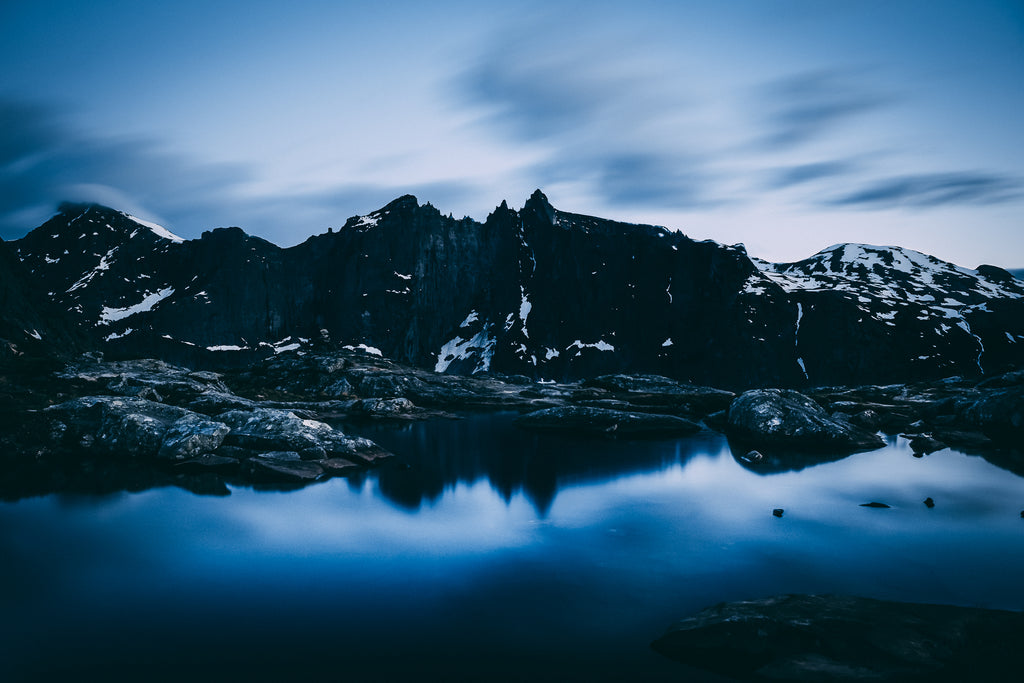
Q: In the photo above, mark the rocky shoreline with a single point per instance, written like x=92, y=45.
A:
x=98, y=425
x=840, y=638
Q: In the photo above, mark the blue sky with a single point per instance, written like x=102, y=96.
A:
x=785, y=125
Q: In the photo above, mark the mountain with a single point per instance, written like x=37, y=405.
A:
x=29, y=322
x=538, y=291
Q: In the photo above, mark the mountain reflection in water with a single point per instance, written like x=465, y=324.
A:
x=498, y=554
x=438, y=455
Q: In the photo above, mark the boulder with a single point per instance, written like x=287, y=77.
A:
x=998, y=413
x=834, y=638
x=604, y=422
x=122, y=426
x=781, y=418
x=190, y=436
x=271, y=429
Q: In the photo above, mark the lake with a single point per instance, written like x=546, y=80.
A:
x=487, y=553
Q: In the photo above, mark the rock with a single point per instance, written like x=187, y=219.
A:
x=998, y=413
x=969, y=441
x=270, y=429
x=123, y=426
x=874, y=504
x=338, y=467
x=834, y=638
x=608, y=423
x=384, y=407
x=217, y=402
x=778, y=512
x=867, y=419
x=191, y=436
x=655, y=390
x=782, y=418
x=752, y=457
x=929, y=503
x=925, y=444
x=718, y=421
x=145, y=378
x=269, y=470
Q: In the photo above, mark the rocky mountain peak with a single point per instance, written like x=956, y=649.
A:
x=539, y=205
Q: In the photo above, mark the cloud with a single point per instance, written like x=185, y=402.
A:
x=934, y=189
x=809, y=106
x=44, y=161
x=614, y=120
x=800, y=174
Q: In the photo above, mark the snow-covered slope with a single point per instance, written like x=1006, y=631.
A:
x=904, y=289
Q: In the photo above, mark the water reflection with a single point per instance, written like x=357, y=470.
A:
x=497, y=554
x=435, y=456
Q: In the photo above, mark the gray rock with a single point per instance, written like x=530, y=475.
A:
x=833, y=638
x=269, y=429
x=783, y=418
x=609, y=423
x=190, y=436
x=123, y=426
x=217, y=402
x=383, y=407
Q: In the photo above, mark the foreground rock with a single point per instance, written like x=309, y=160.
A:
x=780, y=418
x=604, y=422
x=271, y=429
x=833, y=638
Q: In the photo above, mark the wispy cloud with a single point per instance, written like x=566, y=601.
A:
x=44, y=161
x=801, y=174
x=606, y=117
x=808, y=106
x=934, y=189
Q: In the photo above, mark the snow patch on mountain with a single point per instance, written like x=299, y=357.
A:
x=108, y=314
x=158, y=230
x=481, y=344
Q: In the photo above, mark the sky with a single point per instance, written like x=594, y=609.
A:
x=786, y=125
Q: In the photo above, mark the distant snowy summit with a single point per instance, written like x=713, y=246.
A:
x=535, y=291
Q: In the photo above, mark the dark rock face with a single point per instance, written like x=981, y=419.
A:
x=833, y=638
x=537, y=292
x=29, y=322
x=609, y=423
x=780, y=418
x=192, y=436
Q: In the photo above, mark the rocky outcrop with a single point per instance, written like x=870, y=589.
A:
x=779, y=418
x=835, y=638
x=607, y=423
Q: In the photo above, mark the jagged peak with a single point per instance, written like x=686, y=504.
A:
x=539, y=204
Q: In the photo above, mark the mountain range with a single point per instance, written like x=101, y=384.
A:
x=536, y=291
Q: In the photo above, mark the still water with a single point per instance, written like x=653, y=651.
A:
x=495, y=554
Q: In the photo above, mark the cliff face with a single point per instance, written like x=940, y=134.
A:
x=538, y=291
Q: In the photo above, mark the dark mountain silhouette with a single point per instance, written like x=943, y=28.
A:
x=538, y=292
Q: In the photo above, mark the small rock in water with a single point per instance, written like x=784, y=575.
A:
x=1022, y=514
x=753, y=456
x=929, y=502
x=778, y=512
x=875, y=504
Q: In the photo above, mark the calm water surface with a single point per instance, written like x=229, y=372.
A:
x=496, y=554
